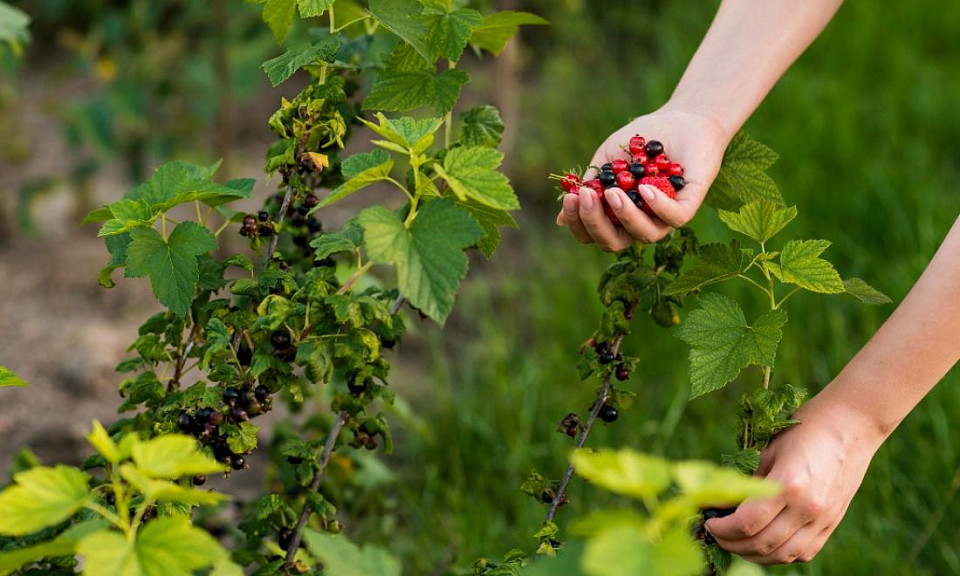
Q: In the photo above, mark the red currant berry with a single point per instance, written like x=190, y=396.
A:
x=570, y=182
x=619, y=165
x=595, y=185
x=626, y=181
x=641, y=159
x=663, y=163
x=652, y=170
x=675, y=170
x=637, y=144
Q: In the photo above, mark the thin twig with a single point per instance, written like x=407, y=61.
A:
x=602, y=398
x=182, y=358
x=314, y=486
x=397, y=304
x=284, y=206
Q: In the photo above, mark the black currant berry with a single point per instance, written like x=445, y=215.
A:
x=388, y=343
x=547, y=496
x=314, y=225
x=231, y=395
x=677, y=182
x=654, y=149
x=239, y=415
x=310, y=201
x=203, y=415
x=238, y=463
x=303, y=209
x=215, y=418
x=608, y=179
x=710, y=513
x=111, y=499
x=297, y=219
x=261, y=393
x=265, y=231
x=708, y=538
x=637, y=170
x=263, y=215
x=634, y=197
x=606, y=357
x=294, y=460
x=187, y=423
x=357, y=387
x=622, y=373
x=608, y=413
x=608, y=167
x=199, y=480
x=285, y=538
x=280, y=339
x=244, y=355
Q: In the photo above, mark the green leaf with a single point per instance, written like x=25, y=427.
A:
x=171, y=265
x=743, y=175
x=103, y=444
x=481, y=126
x=759, y=220
x=63, y=545
x=178, y=182
x=279, y=15
x=402, y=17
x=168, y=492
x=8, y=378
x=706, y=484
x=342, y=557
x=490, y=219
x=332, y=243
x=624, y=471
x=13, y=26
x=314, y=8
x=865, y=293
x=164, y=547
x=628, y=549
x=716, y=263
x=360, y=170
x=244, y=440
x=498, y=28
x=472, y=172
x=429, y=255
x=449, y=31
x=284, y=66
x=41, y=497
x=404, y=91
x=407, y=133
x=722, y=343
x=800, y=264
x=173, y=456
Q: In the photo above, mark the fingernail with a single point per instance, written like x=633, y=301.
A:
x=647, y=193
x=586, y=199
x=613, y=199
x=570, y=204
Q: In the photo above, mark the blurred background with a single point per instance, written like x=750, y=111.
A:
x=868, y=131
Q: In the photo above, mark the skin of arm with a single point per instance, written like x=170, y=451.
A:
x=750, y=44
x=822, y=461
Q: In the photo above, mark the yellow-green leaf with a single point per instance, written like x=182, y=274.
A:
x=759, y=220
x=41, y=497
x=624, y=471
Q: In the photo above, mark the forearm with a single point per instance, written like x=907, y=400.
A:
x=750, y=44
x=913, y=350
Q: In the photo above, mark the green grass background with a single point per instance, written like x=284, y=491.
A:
x=869, y=133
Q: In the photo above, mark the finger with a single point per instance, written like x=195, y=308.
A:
x=675, y=211
x=571, y=216
x=639, y=225
x=802, y=547
x=749, y=520
x=783, y=528
x=608, y=236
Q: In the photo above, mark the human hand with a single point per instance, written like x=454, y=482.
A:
x=692, y=139
x=820, y=463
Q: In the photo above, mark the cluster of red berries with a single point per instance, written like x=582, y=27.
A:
x=648, y=166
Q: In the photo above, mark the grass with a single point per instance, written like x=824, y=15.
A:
x=868, y=135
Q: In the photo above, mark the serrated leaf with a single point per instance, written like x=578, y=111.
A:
x=429, y=255
x=742, y=177
x=707, y=484
x=164, y=547
x=402, y=17
x=759, y=220
x=284, y=66
x=716, y=263
x=360, y=170
x=473, y=172
x=405, y=91
x=481, y=126
x=498, y=28
x=244, y=440
x=628, y=549
x=279, y=15
x=42, y=497
x=332, y=243
x=864, y=292
x=407, y=133
x=449, y=31
x=171, y=265
x=341, y=557
x=722, y=343
x=313, y=8
x=625, y=471
x=800, y=264
x=173, y=456
x=490, y=219
x=8, y=378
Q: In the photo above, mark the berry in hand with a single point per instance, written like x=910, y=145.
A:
x=607, y=178
x=663, y=164
x=608, y=413
x=654, y=148
x=637, y=145
x=678, y=182
x=634, y=197
x=652, y=170
x=625, y=180
x=595, y=185
x=570, y=182
x=619, y=165
x=608, y=167
x=638, y=170
x=660, y=183
x=675, y=170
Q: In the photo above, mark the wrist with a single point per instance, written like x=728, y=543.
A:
x=724, y=129
x=848, y=422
